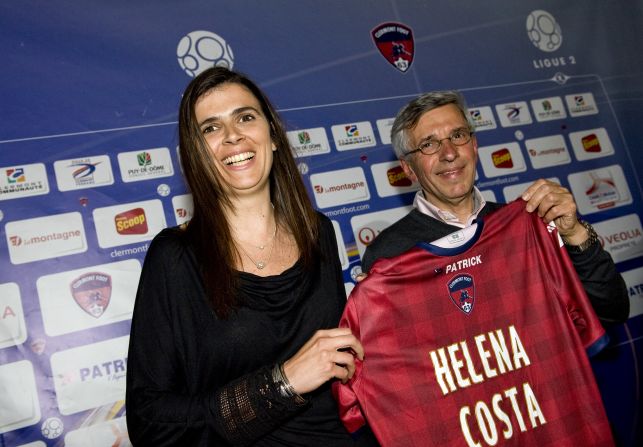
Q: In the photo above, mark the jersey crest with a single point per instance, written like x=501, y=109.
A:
x=462, y=292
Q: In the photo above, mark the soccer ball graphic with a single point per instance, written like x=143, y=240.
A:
x=543, y=31
x=200, y=50
x=52, y=428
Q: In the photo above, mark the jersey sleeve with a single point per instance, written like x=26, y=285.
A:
x=350, y=411
x=569, y=288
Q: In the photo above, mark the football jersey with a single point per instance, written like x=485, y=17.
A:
x=482, y=344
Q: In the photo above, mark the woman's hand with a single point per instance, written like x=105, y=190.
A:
x=329, y=354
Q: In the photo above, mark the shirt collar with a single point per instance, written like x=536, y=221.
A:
x=426, y=207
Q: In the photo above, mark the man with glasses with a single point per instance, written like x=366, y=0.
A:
x=434, y=140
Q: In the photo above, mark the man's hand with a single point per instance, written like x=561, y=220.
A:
x=554, y=202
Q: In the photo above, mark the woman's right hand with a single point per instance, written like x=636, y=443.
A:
x=330, y=353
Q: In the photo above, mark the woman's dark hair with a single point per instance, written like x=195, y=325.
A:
x=209, y=230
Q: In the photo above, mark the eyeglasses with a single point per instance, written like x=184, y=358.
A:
x=430, y=146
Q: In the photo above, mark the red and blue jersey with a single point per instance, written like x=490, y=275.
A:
x=481, y=338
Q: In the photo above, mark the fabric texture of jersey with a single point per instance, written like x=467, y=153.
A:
x=483, y=344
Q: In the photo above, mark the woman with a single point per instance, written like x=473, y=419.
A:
x=234, y=338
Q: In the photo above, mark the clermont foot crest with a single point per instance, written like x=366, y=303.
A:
x=462, y=292
x=395, y=42
x=92, y=292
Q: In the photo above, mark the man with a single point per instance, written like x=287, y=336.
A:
x=434, y=140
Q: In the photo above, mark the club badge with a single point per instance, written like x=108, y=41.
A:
x=92, y=292
x=462, y=292
x=395, y=42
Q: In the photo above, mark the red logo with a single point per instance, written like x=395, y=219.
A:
x=395, y=42
x=502, y=159
x=92, y=292
x=131, y=222
x=591, y=143
x=397, y=177
x=366, y=235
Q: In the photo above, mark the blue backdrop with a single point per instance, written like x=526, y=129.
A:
x=89, y=169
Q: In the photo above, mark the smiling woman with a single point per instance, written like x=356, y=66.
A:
x=234, y=337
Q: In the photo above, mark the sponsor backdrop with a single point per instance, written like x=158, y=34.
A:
x=89, y=171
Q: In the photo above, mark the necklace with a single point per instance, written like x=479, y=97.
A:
x=261, y=264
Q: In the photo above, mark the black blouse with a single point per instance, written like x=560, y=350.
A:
x=196, y=380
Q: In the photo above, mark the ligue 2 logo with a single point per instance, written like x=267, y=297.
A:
x=200, y=50
x=543, y=31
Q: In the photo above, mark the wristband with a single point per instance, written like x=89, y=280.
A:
x=283, y=385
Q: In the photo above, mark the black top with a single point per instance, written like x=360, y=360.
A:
x=196, y=380
x=605, y=287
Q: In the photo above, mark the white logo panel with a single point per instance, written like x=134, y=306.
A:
x=307, y=142
x=482, y=118
x=547, y=109
x=512, y=192
x=600, y=189
x=45, y=237
x=622, y=237
x=581, y=104
x=513, y=114
x=547, y=151
x=501, y=159
x=634, y=282
x=341, y=247
x=13, y=330
x=145, y=164
x=353, y=136
x=339, y=187
x=19, y=405
x=90, y=376
x=128, y=223
x=81, y=173
x=366, y=227
x=23, y=181
x=183, y=206
x=112, y=432
x=592, y=143
x=384, y=127
x=90, y=297
x=390, y=179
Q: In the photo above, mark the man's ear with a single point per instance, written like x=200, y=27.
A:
x=408, y=170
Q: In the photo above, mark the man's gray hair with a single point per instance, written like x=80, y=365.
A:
x=408, y=117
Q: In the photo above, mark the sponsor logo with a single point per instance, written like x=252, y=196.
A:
x=591, y=143
x=13, y=330
x=462, y=292
x=395, y=42
x=45, y=237
x=200, y=50
x=502, y=158
x=397, y=177
x=581, y=104
x=309, y=141
x=547, y=109
x=90, y=376
x=634, y=282
x=513, y=114
x=128, y=223
x=23, y=181
x=622, y=237
x=92, y=292
x=366, y=227
x=547, y=151
x=600, y=189
x=82, y=173
x=183, y=208
x=90, y=297
x=353, y=136
x=483, y=118
x=144, y=165
x=131, y=222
